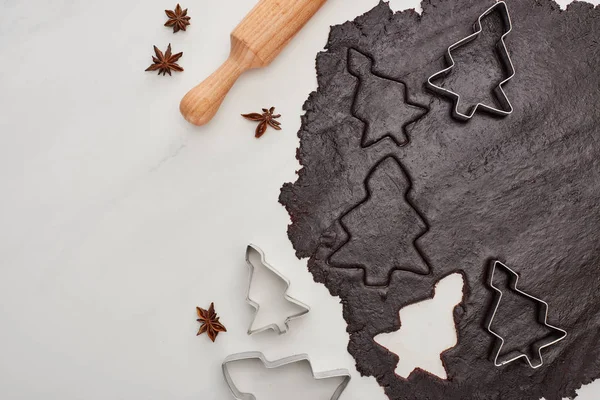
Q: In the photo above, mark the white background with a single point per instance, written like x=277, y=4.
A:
x=117, y=217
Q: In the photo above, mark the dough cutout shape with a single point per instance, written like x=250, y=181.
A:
x=427, y=330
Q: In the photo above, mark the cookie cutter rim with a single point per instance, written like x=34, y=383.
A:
x=256, y=306
x=542, y=317
x=503, y=99
x=280, y=363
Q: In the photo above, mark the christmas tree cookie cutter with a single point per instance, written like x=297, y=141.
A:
x=274, y=326
x=255, y=355
x=507, y=108
x=542, y=317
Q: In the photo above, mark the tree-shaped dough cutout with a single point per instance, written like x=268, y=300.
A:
x=381, y=103
x=383, y=228
x=488, y=64
x=427, y=330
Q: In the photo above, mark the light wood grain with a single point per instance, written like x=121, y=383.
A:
x=255, y=42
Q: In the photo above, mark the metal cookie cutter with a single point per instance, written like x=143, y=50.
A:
x=280, y=363
x=498, y=91
x=542, y=317
x=254, y=304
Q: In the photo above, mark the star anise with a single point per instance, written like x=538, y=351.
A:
x=164, y=63
x=210, y=322
x=178, y=19
x=266, y=118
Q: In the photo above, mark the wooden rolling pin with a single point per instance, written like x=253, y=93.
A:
x=255, y=42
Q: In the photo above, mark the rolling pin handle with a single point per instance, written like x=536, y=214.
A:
x=202, y=102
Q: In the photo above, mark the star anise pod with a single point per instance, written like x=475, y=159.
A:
x=178, y=19
x=164, y=63
x=266, y=118
x=210, y=322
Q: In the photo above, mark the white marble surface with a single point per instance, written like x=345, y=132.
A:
x=118, y=217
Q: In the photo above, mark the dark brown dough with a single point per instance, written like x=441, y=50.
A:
x=524, y=189
x=375, y=244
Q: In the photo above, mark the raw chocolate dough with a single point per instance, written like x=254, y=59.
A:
x=524, y=189
x=375, y=245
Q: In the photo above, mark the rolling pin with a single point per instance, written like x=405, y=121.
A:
x=255, y=42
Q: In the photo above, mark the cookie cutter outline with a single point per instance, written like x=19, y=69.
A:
x=407, y=101
x=542, y=317
x=368, y=196
x=280, y=363
x=498, y=90
x=256, y=306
